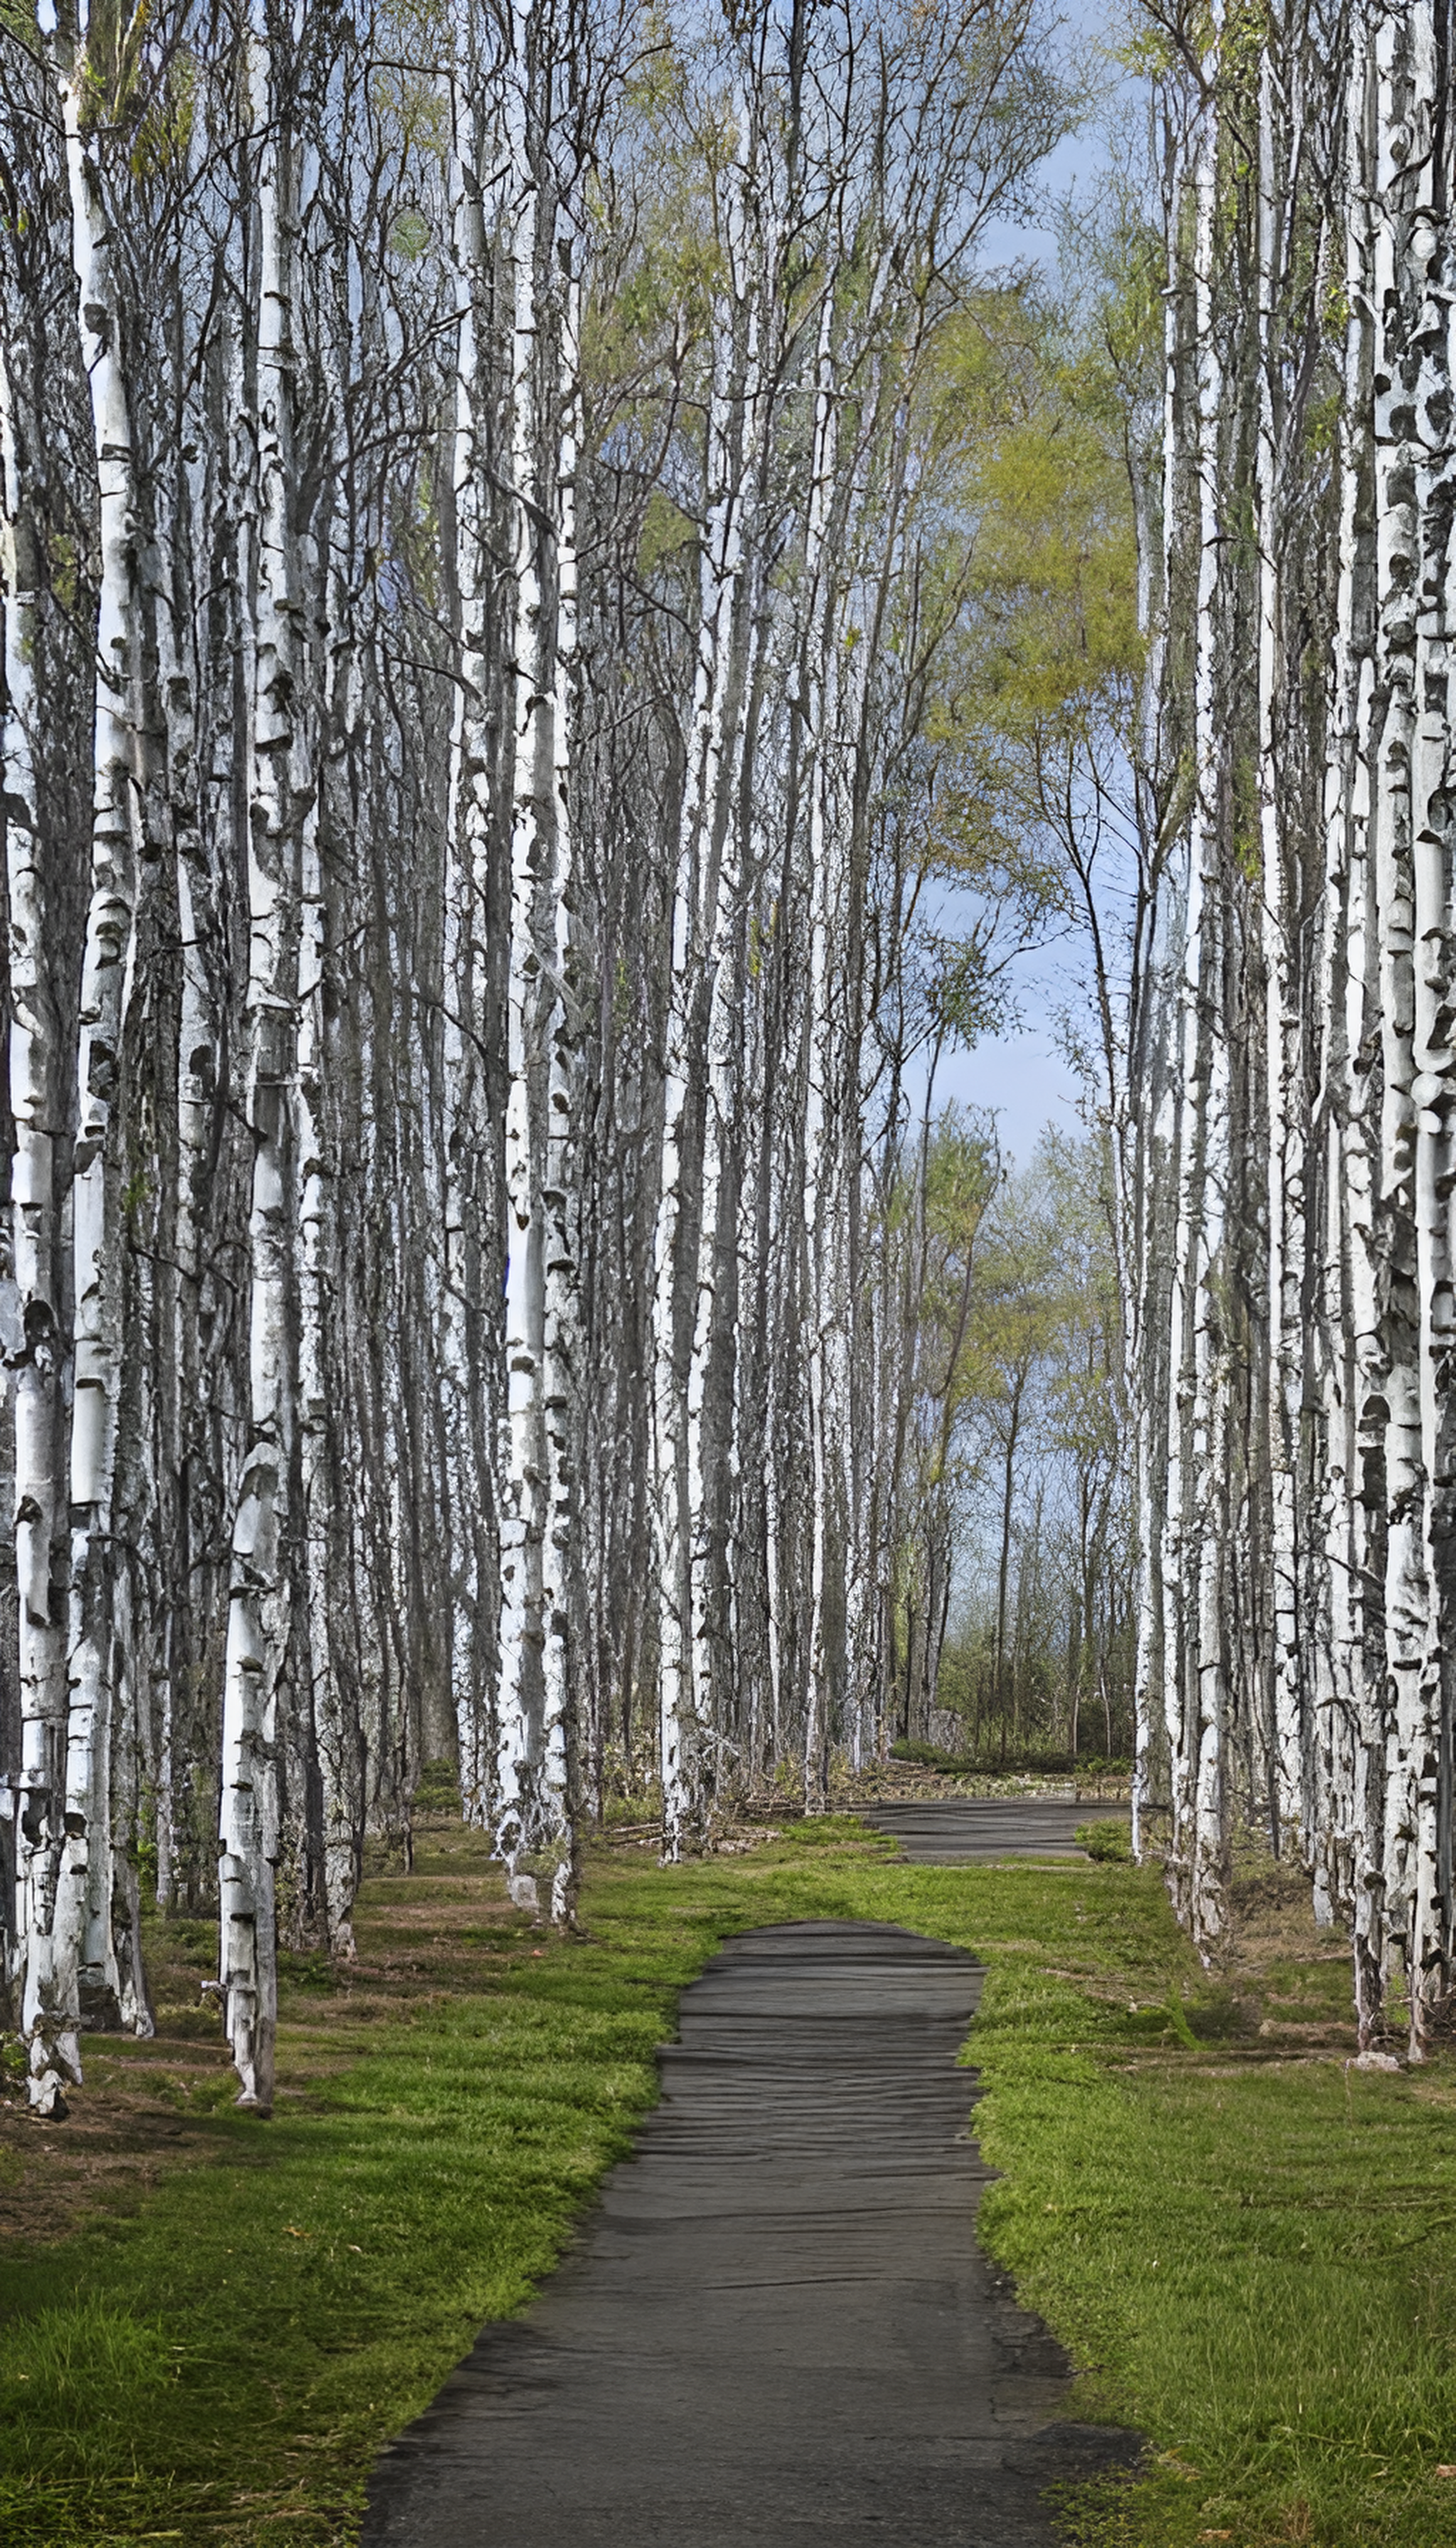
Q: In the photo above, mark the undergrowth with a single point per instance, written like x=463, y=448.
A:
x=1022, y=1761
x=1250, y=2248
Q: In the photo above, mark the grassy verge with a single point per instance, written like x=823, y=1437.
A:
x=1251, y=2247
x=210, y=2324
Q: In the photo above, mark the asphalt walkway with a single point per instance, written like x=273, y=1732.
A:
x=943, y=1831
x=777, y=2330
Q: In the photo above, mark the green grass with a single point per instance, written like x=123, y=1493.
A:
x=1255, y=2248
x=1261, y=2259
x=1105, y=1841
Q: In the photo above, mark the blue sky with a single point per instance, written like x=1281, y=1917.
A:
x=1021, y=1078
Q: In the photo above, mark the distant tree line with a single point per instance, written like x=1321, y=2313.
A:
x=1016, y=1611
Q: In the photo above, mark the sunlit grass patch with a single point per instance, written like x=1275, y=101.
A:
x=1260, y=2265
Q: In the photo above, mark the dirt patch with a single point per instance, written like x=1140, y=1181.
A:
x=146, y=2108
x=121, y=2135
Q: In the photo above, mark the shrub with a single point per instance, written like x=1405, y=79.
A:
x=1108, y=1841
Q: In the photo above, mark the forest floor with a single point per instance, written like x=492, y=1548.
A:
x=213, y=2323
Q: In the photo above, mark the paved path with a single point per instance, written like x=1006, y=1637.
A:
x=948, y=1829
x=777, y=2330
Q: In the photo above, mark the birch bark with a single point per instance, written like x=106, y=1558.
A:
x=1192, y=1664
x=470, y=855
x=257, y=1613
x=54, y=2056
x=87, y=1978
x=1347, y=1881
x=1409, y=826
x=701, y=1028
x=535, y=1831
x=1281, y=923
x=823, y=885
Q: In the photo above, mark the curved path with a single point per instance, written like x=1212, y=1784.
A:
x=943, y=1831
x=777, y=2330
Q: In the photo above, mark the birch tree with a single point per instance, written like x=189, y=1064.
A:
x=464, y=749
x=87, y=1968
x=535, y=1465
x=1312, y=937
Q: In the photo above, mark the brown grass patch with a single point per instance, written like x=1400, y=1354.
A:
x=146, y=2109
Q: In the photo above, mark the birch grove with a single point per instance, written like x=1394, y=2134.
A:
x=1294, y=1276
x=489, y=601
x=465, y=782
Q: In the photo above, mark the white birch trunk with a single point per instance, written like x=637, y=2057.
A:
x=197, y=1073
x=1409, y=826
x=40, y=1798
x=521, y=1480
x=1146, y=1301
x=1346, y=1883
x=697, y=1090
x=1192, y=1698
x=534, y=1833
x=87, y=1978
x=466, y=904
x=257, y=1611
x=820, y=1072
x=732, y=602
x=336, y=1739
x=559, y=1200
x=1279, y=912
